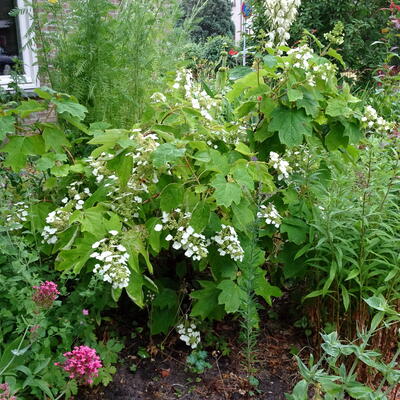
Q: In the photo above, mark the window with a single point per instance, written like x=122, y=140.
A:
x=13, y=31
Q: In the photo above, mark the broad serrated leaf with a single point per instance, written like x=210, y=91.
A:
x=172, y=196
x=200, y=216
x=337, y=108
x=6, y=126
x=231, y=295
x=296, y=229
x=207, y=305
x=75, y=258
x=28, y=107
x=54, y=138
x=291, y=125
x=70, y=107
x=166, y=154
x=225, y=193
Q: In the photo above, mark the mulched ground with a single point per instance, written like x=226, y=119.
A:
x=163, y=376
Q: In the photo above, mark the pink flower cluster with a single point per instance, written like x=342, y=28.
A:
x=45, y=294
x=82, y=364
x=5, y=392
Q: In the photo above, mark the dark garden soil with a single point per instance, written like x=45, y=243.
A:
x=163, y=375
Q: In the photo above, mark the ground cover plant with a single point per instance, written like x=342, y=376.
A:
x=229, y=191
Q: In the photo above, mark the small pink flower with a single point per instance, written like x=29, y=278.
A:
x=82, y=364
x=45, y=294
x=85, y=311
x=5, y=392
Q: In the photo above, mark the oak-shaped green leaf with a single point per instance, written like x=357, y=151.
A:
x=207, y=305
x=231, y=295
x=296, y=229
x=226, y=192
x=75, y=258
x=166, y=154
x=337, y=108
x=54, y=138
x=70, y=107
x=28, y=107
x=19, y=147
x=200, y=216
x=6, y=125
x=291, y=124
x=171, y=197
x=263, y=288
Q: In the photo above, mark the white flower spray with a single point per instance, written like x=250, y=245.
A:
x=281, y=14
x=114, y=259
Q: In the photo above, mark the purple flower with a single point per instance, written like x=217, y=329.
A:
x=85, y=311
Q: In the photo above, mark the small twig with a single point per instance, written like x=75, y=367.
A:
x=222, y=379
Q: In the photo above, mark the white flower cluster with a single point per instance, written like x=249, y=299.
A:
x=189, y=335
x=142, y=170
x=302, y=57
x=76, y=198
x=194, y=244
x=114, y=260
x=229, y=243
x=373, y=122
x=194, y=93
x=281, y=165
x=158, y=97
x=281, y=14
x=16, y=219
x=270, y=214
x=100, y=170
x=57, y=221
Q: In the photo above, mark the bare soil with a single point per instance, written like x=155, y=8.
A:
x=164, y=376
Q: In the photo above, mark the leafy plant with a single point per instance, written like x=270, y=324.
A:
x=329, y=378
x=196, y=361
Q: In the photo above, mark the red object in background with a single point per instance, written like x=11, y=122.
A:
x=233, y=52
x=394, y=6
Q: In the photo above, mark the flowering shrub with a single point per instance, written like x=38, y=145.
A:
x=82, y=364
x=210, y=180
x=45, y=294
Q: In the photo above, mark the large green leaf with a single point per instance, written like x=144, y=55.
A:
x=200, y=216
x=28, y=107
x=291, y=124
x=296, y=229
x=6, y=126
x=171, y=197
x=54, y=138
x=70, y=107
x=207, y=305
x=166, y=154
x=75, y=258
x=226, y=192
x=263, y=288
x=338, y=108
x=231, y=295
x=19, y=147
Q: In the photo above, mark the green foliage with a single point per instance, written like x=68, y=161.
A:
x=215, y=195
x=196, y=361
x=110, y=57
x=332, y=377
x=212, y=18
x=362, y=23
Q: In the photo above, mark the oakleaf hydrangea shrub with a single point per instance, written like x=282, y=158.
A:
x=203, y=178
